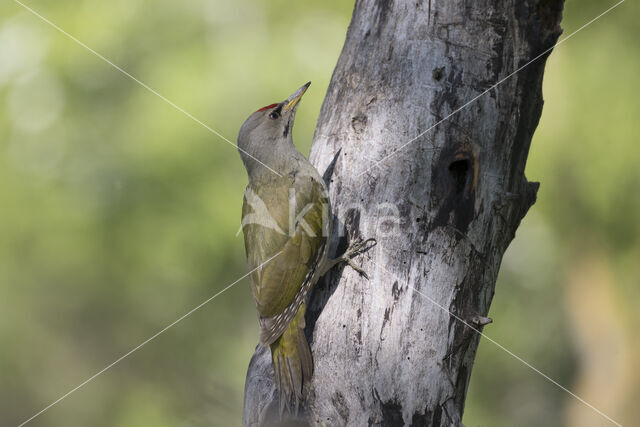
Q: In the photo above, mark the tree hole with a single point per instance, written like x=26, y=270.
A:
x=459, y=171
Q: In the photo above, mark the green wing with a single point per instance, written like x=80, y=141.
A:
x=276, y=284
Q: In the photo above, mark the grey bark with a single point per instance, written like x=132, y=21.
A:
x=383, y=353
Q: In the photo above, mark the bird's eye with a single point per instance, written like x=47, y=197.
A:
x=274, y=115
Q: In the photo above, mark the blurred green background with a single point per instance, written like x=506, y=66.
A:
x=118, y=213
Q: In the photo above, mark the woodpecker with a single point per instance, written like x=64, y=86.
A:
x=286, y=224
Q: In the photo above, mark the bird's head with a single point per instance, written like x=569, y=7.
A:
x=268, y=131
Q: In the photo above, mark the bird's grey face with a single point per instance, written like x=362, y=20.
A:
x=266, y=129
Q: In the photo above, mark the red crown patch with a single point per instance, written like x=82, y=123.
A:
x=268, y=107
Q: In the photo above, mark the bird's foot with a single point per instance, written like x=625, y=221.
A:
x=352, y=251
x=356, y=267
x=358, y=247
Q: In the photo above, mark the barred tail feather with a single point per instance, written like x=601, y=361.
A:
x=292, y=363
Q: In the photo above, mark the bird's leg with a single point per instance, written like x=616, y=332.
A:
x=353, y=250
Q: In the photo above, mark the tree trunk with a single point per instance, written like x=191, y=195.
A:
x=444, y=207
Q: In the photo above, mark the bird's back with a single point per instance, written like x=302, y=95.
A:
x=284, y=219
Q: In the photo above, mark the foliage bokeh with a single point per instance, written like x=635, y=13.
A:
x=119, y=213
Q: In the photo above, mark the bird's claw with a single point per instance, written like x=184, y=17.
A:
x=358, y=247
x=355, y=249
x=356, y=268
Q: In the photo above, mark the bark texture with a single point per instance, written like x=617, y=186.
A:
x=384, y=354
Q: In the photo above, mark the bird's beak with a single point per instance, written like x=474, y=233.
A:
x=293, y=100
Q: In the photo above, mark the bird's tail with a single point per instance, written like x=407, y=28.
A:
x=292, y=363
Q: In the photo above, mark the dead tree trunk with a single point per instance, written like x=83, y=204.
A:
x=443, y=207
